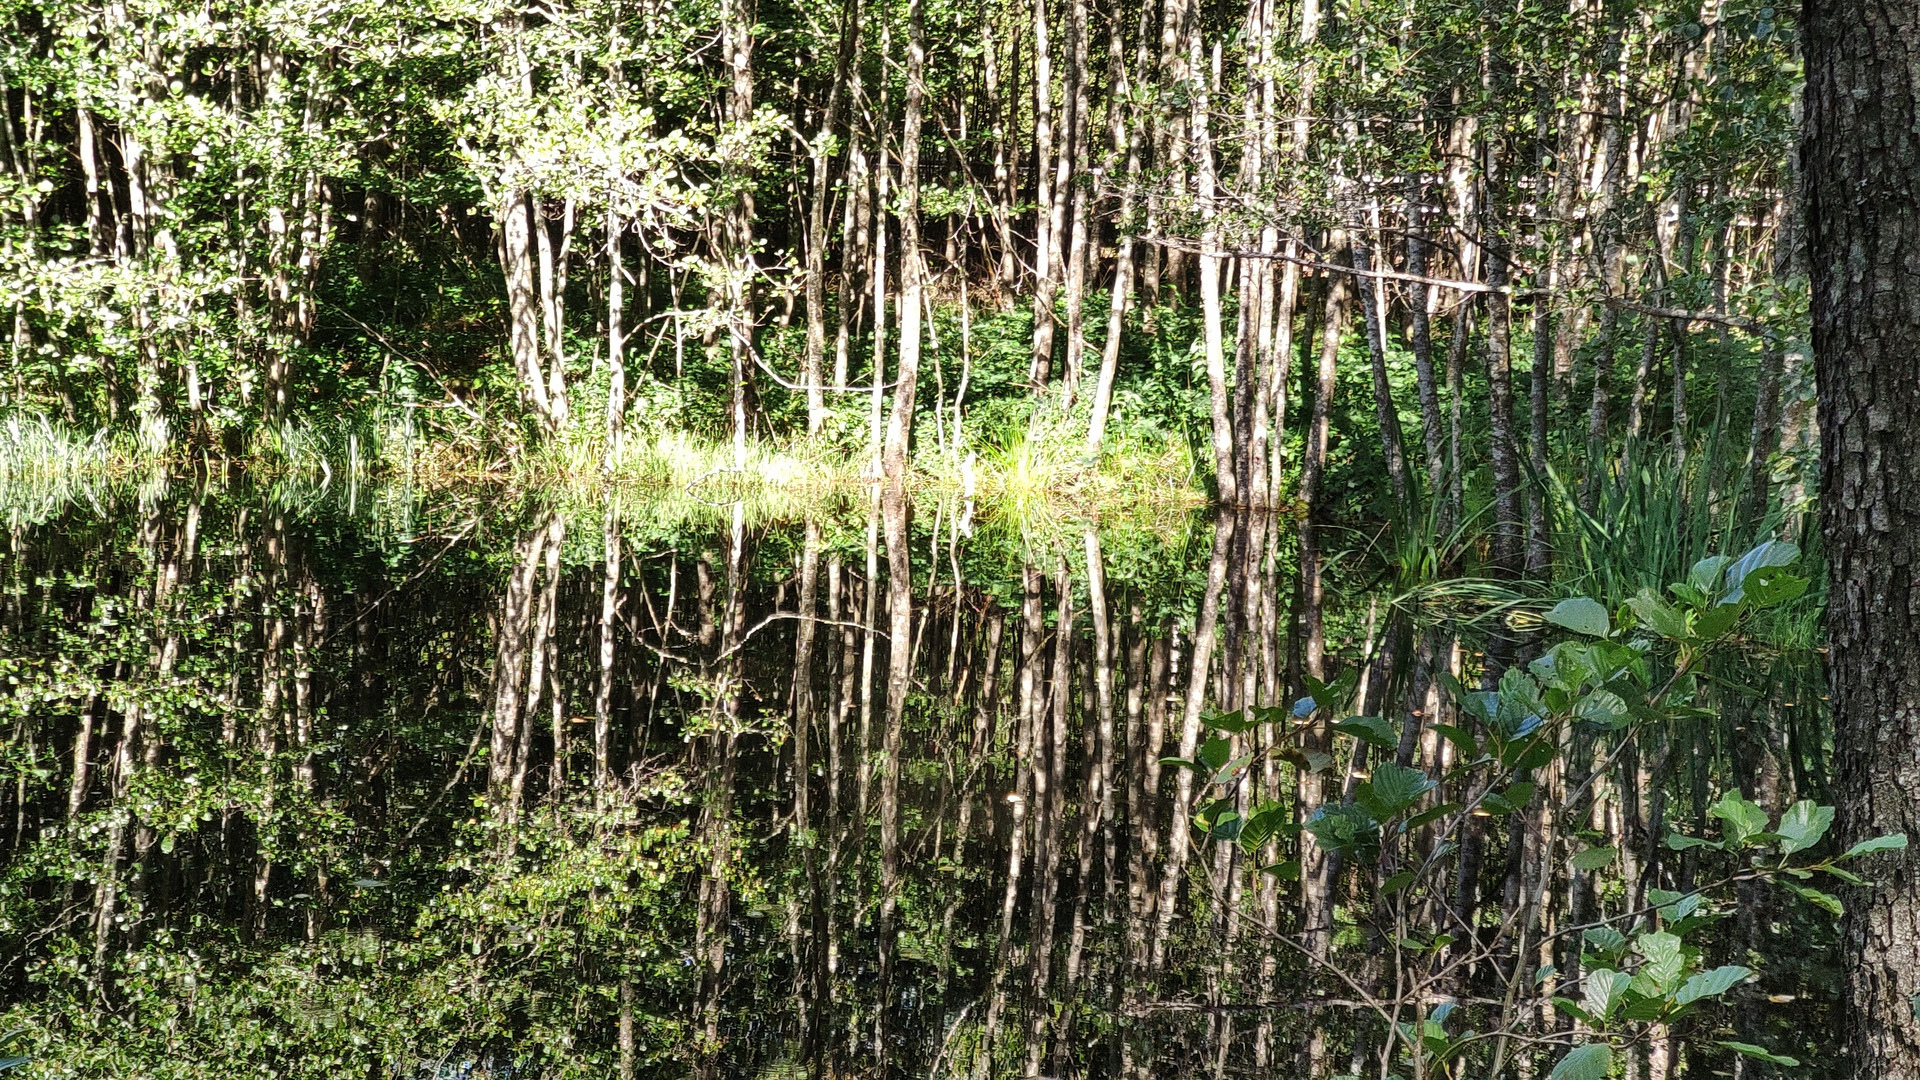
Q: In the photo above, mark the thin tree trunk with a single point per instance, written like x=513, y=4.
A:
x=814, y=363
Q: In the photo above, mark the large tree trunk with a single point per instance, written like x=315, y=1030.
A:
x=1861, y=165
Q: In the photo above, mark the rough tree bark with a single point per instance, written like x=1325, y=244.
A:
x=1863, y=230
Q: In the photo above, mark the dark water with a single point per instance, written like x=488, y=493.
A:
x=382, y=783
x=377, y=783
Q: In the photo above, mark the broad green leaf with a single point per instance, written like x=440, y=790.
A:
x=1581, y=615
x=1891, y=842
x=1601, y=991
x=1482, y=705
x=1715, y=621
x=1232, y=723
x=1770, y=586
x=1265, y=820
x=1309, y=761
x=1710, y=984
x=1605, y=941
x=1803, y=825
x=1681, y=842
x=1594, y=858
x=1767, y=554
x=1674, y=906
x=1743, y=820
x=1659, y=616
x=1759, y=1052
x=1641, y=1009
x=1602, y=707
x=1397, y=882
x=1395, y=787
x=1431, y=813
x=1231, y=770
x=1847, y=876
x=1214, y=753
x=1227, y=826
x=1462, y=740
x=1285, y=871
x=1824, y=901
x=1594, y=1061
x=1705, y=574
x=1370, y=729
x=1342, y=827
x=1566, y=1005
x=1664, y=960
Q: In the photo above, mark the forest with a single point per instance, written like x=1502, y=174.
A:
x=1332, y=539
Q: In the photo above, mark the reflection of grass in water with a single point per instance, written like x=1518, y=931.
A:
x=1033, y=472
x=44, y=466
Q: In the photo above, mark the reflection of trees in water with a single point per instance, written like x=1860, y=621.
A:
x=640, y=798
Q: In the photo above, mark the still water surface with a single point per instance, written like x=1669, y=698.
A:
x=374, y=782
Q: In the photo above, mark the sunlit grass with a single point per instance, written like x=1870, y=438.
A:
x=1034, y=470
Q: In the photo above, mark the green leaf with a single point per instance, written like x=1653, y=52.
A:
x=1601, y=991
x=1567, y=1006
x=1397, y=882
x=1342, y=827
x=1705, y=574
x=1710, y=984
x=1227, y=826
x=1674, y=906
x=1370, y=729
x=1266, y=820
x=1581, y=615
x=1285, y=871
x=1743, y=820
x=1214, y=753
x=1769, y=587
x=1824, y=901
x=1232, y=723
x=1594, y=858
x=1393, y=788
x=1664, y=961
x=1602, y=707
x=1462, y=740
x=1803, y=825
x=1659, y=616
x=1759, y=1052
x=1231, y=770
x=1681, y=842
x=1765, y=555
x=1891, y=842
x=1715, y=621
x=1605, y=941
x=1594, y=1061
x=1308, y=761
x=1431, y=813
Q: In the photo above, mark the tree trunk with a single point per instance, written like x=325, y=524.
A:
x=811, y=371
x=1861, y=167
